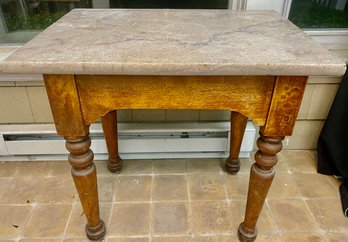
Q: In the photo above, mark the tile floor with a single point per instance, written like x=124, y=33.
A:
x=170, y=201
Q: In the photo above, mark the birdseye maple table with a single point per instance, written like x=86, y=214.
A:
x=95, y=62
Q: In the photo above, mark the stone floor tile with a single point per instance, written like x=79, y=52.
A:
x=283, y=186
x=130, y=219
x=61, y=168
x=128, y=240
x=265, y=224
x=27, y=190
x=281, y=167
x=56, y=190
x=133, y=188
x=315, y=186
x=302, y=237
x=51, y=183
x=245, y=165
x=39, y=240
x=170, y=218
x=35, y=168
x=169, y=188
x=79, y=240
x=22, y=190
x=299, y=161
x=211, y=218
x=237, y=186
x=8, y=169
x=77, y=221
x=137, y=167
x=170, y=166
x=13, y=220
x=102, y=169
x=172, y=239
x=215, y=239
x=328, y=214
x=268, y=238
x=337, y=237
x=204, y=165
x=47, y=221
x=106, y=188
x=291, y=214
x=206, y=187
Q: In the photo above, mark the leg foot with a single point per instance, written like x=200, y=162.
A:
x=232, y=166
x=261, y=176
x=245, y=235
x=115, y=165
x=96, y=233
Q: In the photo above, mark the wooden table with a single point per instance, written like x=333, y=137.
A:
x=97, y=61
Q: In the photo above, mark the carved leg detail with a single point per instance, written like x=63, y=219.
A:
x=238, y=124
x=109, y=123
x=85, y=179
x=261, y=176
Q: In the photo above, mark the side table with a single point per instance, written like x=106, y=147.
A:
x=98, y=61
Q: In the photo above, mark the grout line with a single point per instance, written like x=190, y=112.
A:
x=37, y=238
x=68, y=221
x=320, y=230
x=190, y=222
x=225, y=190
x=111, y=210
x=277, y=230
x=151, y=203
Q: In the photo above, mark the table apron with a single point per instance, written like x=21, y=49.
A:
x=248, y=95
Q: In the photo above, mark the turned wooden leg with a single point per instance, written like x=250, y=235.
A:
x=261, y=176
x=238, y=124
x=109, y=123
x=85, y=179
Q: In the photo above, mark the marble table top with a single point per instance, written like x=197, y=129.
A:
x=173, y=42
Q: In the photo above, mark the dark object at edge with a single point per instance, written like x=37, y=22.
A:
x=333, y=142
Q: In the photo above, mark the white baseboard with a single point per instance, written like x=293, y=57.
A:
x=136, y=141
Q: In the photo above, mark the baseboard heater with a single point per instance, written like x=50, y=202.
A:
x=136, y=141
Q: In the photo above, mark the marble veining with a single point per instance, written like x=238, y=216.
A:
x=173, y=42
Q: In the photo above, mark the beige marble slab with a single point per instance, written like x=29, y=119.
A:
x=173, y=42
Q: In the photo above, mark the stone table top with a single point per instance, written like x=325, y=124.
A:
x=173, y=42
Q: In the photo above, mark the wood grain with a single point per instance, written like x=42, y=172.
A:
x=261, y=177
x=109, y=124
x=238, y=124
x=85, y=179
x=286, y=101
x=65, y=105
x=249, y=95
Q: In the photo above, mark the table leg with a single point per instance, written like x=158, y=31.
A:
x=85, y=179
x=238, y=124
x=261, y=176
x=109, y=123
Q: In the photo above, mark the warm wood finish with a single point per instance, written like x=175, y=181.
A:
x=238, y=124
x=249, y=95
x=85, y=179
x=77, y=101
x=261, y=177
x=109, y=124
x=135, y=62
x=65, y=105
x=286, y=101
